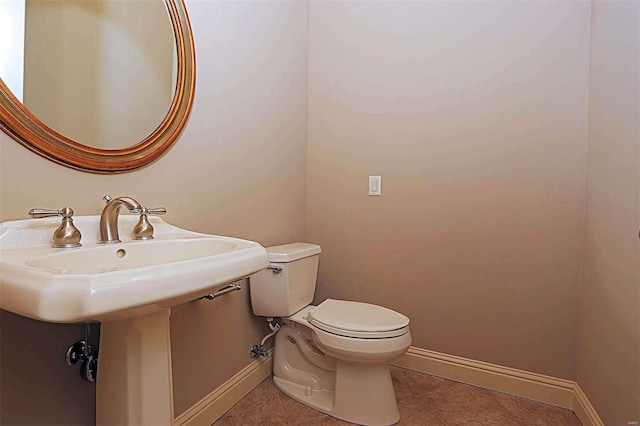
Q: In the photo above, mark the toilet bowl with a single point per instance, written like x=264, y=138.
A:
x=332, y=357
x=343, y=373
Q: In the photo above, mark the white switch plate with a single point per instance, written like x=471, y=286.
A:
x=375, y=185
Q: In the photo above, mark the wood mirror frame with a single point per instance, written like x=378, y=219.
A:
x=19, y=123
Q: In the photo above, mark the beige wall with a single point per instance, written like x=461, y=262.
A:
x=99, y=72
x=250, y=116
x=475, y=116
x=238, y=169
x=609, y=333
x=36, y=386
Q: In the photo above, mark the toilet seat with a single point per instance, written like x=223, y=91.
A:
x=354, y=346
x=357, y=320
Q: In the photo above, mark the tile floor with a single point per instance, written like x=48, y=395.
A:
x=422, y=400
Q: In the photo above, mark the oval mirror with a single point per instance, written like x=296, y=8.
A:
x=107, y=86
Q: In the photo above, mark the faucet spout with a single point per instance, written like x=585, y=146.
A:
x=109, y=217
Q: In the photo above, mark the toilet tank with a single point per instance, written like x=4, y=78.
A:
x=281, y=294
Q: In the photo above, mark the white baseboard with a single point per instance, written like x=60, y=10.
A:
x=584, y=410
x=538, y=387
x=213, y=406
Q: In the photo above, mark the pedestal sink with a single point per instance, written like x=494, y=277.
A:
x=129, y=287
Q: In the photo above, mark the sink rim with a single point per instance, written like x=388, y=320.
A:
x=40, y=262
x=78, y=297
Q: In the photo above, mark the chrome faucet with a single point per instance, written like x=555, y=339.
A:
x=109, y=217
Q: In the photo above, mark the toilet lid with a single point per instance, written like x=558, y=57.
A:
x=356, y=319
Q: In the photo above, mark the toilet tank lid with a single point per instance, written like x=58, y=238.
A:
x=290, y=252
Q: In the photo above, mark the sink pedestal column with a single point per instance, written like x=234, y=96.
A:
x=134, y=385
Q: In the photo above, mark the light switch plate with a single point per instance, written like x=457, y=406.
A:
x=375, y=185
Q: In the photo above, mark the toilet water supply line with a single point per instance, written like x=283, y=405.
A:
x=259, y=349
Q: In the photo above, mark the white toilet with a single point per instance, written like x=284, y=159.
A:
x=332, y=357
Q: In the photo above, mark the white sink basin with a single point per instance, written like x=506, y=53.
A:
x=111, y=258
x=110, y=282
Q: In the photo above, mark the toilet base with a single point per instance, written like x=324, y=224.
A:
x=359, y=393
x=359, y=396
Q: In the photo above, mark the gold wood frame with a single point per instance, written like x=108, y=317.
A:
x=19, y=123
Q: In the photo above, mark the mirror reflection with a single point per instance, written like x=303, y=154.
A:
x=100, y=72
